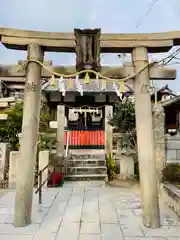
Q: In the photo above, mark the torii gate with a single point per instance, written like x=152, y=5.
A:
x=36, y=43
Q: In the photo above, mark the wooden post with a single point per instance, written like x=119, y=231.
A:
x=108, y=129
x=28, y=147
x=60, y=135
x=145, y=141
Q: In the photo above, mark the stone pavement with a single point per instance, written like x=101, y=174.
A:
x=86, y=211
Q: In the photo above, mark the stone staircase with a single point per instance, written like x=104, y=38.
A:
x=86, y=165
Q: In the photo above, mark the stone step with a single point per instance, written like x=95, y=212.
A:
x=87, y=151
x=80, y=162
x=82, y=154
x=87, y=156
x=87, y=170
x=88, y=166
x=86, y=177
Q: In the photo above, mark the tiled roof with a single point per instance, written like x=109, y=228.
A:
x=171, y=101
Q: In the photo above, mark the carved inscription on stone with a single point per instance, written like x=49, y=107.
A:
x=31, y=87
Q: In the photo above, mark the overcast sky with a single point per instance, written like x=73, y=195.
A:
x=116, y=16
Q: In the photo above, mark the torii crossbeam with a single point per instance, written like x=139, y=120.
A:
x=155, y=72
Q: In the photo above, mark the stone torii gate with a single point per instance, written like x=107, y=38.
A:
x=36, y=43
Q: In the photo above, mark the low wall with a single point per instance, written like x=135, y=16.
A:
x=172, y=148
x=14, y=166
x=171, y=195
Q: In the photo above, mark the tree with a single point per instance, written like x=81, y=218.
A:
x=10, y=128
x=124, y=123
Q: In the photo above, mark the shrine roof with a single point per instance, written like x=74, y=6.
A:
x=169, y=102
x=164, y=89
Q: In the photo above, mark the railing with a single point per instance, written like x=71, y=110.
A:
x=67, y=152
x=39, y=175
x=67, y=144
x=40, y=183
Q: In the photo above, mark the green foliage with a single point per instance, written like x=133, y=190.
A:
x=10, y=128
x=171, y=173
x=43, y=143
x=124, y=122
x=111, y=169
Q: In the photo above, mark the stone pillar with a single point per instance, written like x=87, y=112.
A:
x=43, y=162
x=159, y=129
x=13, y=168
x=108, y=130
x=145, y=140
x=4, y=160
x=28, y=147
x=60, y=135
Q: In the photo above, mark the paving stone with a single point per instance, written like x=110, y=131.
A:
x=10, y=229
x=164, y=231
x=68, y=231
x=67, y=236
x=73, y=214
x=89, y=206
x=3, y=217
x=51, y=223
x=58, y=208
x=137, y=212
x=168, y=221
x=90, y=217
x=37, y=216
x=132, y=220
x=90, y=237
x=44, y=235
x=111, y=232
x=90, y=228
x=108, y=216
x=144, y=238
x=6, y=210
x=173, y=238
x=88, y=210
x=132, y=230
x=16, y=237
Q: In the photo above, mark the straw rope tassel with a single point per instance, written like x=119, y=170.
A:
x=102, y=84
x=121, y=87
x=53, y=81
x=86, y=78
x=70, y=84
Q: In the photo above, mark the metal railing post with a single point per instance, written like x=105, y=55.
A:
x=40, y=187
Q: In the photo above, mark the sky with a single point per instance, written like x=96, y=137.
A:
x=113, y=16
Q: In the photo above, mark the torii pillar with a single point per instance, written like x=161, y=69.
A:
x=145, y=141
x=28, y=146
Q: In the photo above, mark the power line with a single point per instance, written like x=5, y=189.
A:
x=169, y=58
x=149, y=8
